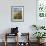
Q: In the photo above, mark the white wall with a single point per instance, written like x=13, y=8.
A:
x=29, y=15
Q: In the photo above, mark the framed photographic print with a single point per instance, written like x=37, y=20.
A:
x=17, y=13
x=41, y=8
x=41, y=12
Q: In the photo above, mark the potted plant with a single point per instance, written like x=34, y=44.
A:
x=38, y=27
x=42, y=27
x=39, y=35
x=35, y=26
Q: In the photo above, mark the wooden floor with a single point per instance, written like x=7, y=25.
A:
x=13, y=44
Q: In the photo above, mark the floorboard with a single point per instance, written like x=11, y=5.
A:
x=13, y=44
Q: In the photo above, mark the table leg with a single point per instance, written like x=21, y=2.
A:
x=17, y=39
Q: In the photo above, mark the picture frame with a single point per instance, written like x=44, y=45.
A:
x=41, y=9
x=17, y=13
x=41, y=12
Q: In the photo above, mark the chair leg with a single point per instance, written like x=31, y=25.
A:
x=17, y=39
x=5, y=43
x=5, y=40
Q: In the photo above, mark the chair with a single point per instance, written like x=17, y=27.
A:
x=14, y=32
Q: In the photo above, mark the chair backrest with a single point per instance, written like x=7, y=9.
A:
x=14, y=30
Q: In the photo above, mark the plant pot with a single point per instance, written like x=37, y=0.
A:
x=38, y=40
